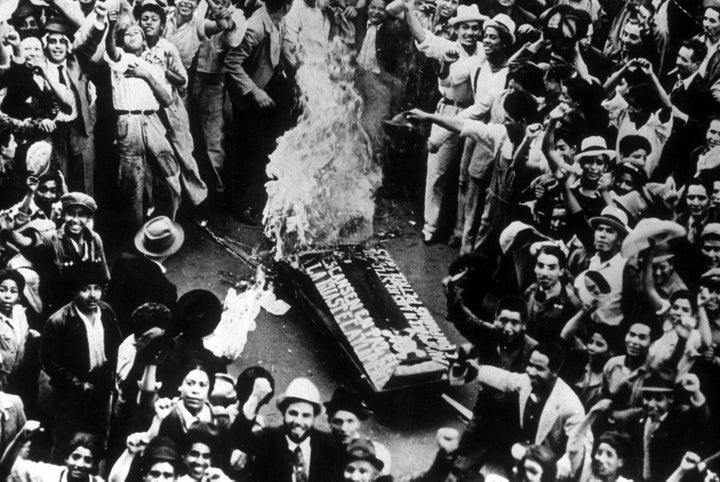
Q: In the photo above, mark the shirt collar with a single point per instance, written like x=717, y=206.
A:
x=204, y=415
x=162, y=268
x=304, y=445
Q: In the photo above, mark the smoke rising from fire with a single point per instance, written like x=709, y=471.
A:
x=322, y=175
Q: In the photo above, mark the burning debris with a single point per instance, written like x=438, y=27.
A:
x=323, y=177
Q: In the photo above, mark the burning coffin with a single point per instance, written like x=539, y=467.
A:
x=360, y=298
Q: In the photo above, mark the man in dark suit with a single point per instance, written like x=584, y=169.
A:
x=78, y=351
x=293, y=452
x=692, y=105
x=253, y=68
x=670, y=424
x=140, y=278
x=72, y=140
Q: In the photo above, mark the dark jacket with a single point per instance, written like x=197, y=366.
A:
x=64, y=351
x=679, y=432
x=392, y=46
x=272, y=459
x=136, y=280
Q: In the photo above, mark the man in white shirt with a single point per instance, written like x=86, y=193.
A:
x=82, y=383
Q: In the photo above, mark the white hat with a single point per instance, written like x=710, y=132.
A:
x=503, y=22
x=613, y=217
x=301, y=389
x=467, y=13
x=594, y=146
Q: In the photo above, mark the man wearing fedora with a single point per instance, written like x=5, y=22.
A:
x=139, y=278
x=604, y=237
x=670, y=423
x=294, y=451
x=345, y=412
x=82, y=383
x=444, y=146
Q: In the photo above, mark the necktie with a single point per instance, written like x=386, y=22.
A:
x=61, y=75
x=299, y=466
x=650, y=428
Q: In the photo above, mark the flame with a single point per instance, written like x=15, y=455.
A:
x=322, y=175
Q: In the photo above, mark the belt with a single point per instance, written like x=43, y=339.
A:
x=135, y=112
x=456, y=103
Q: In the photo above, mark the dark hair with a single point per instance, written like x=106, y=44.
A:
x=632, y=143
x=51, y=176
x=88, y=441
x=201, y=434
x=246, y=380
x=275, y=5
x=159, y=449
x=5, y=137
x=552, y=250
x=568, y=135
x=514, y=304
x=618, y=441
x=197, y=365
x=530, y=77
x=698, y=48
x=520, y=106
x=542, y=456
x=15, y=276
x=555, y=354
x=684, y=295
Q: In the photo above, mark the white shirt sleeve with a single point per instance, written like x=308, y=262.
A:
x=435, y=47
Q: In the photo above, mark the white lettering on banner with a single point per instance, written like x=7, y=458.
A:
x=354, y=320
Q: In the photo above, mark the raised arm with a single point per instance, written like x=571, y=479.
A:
x=454, y=124
x=13, y=450
x=110, y=46
x=413, y=23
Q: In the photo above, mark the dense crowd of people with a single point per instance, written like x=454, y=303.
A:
x=573, y=158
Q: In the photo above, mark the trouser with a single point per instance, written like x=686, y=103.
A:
x=207, y=100
x=74, y=154
x=145, y=156
x=182, y=144
x=75, y=411
x=439, y=167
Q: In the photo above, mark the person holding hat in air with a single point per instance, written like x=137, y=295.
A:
x=195, y=316
x=293, y=452
x=346, y=412
x=82, y=384
x=521, y=110
x=139, y=277
x=633, y=112
x=444, y=146
x=53, y=252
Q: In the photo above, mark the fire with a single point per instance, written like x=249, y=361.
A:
x=323, y=178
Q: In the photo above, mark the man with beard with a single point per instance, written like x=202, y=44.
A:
x=82, y=383
x=345, y=413
x=502, y=343
x=697, y=199
x=551, y=302
x=549, y=411
x=81, y=462
x=294, y=451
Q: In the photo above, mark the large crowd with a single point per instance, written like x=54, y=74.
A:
x=573, y=159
